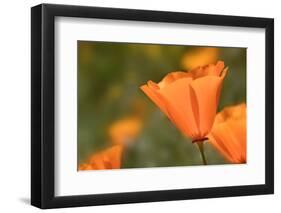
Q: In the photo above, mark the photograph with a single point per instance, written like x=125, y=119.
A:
x=160, y=105
x=139, y=105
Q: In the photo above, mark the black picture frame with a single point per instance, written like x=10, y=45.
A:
x=43, y=102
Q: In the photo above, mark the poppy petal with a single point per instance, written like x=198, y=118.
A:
x=228, y=134
x=206, y=91
x=177, y=95
x=155, y=97
x=173, y=76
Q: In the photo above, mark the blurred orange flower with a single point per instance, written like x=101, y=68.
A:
x=107, y=159
x=189, y=99
x=201, y=56
x=228, y=134
x=125, y=131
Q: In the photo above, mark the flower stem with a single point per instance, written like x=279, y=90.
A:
x=201, y=149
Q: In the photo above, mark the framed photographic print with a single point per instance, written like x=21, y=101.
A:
x=140, y=106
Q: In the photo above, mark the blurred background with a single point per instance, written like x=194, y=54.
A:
x=112, y=108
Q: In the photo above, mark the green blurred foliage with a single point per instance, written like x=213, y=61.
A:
x=109, y=77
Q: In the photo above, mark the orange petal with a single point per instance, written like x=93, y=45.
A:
x=114, y=156
x=107, y=159
x=239, y=133
x=228, y=134
x=209, y=70
x=85, y=166
x=226, y=142
x=155, y=97
x=233, y=112
x=216, y=140
x=97, y=161
x=222, y=76
x=173, y=76
x=206, y=91
x=218, y=68
x=179, y=104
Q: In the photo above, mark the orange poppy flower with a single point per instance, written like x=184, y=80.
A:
x=189, y=99
x=85, y=166
x=124, y=131
x=106, y=159
x=200, y=56
x=228, y=135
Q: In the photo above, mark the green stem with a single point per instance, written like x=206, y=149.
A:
x=201, y=149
